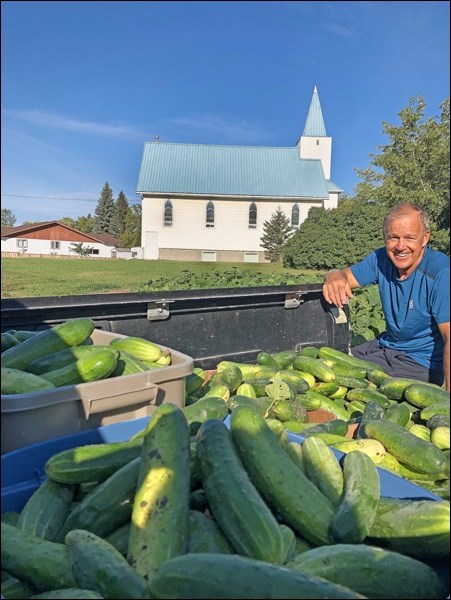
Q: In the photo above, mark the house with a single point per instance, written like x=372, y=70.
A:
x=209, y=203
x=52, y=238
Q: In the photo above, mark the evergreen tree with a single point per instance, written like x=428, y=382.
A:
x=8, y=218
x=131, y=235
x=276, y=233
x=85, y=224
x=104, y=211
x=121, y=210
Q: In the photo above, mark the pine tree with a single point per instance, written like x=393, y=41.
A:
x=104, y=211
x=276, y=233
x=131, y=235
x=121, y=210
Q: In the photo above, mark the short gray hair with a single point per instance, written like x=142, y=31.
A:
x=404, y=208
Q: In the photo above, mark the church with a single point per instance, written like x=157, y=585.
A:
x=206, y=202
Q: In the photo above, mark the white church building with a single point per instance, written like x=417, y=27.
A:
x=205, y=202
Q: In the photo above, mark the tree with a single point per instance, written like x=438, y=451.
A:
x=8, y=218
x=104, y=211
x=414, y=167
x=81, y=250
x=131, y=235
x=276, y=233
x=121, y=210
x=85, y=224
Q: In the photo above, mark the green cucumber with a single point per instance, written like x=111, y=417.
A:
x=425, y=394
x=367, y=395
x=138, y=347
x=372, y=448
x=335, y=426
x=107, y=506
x=322, y=468
x=393, y=387
x=66, y=593
x=70, y=333
x=119, y=538
x=268, y=464
x=284, y=358
x=315, y=367
x=398, y=413
x=127, y=364
x=97, y=364
x=437, y=408
x=311, y=351
x=43, y=564
x=98, y=566
x=261, y=405
x=46, y=510
x=252, y=530
x=16, y=381
x=357, y=510
x=371, y=571
x=407, y=448
x=208, y=407
x=373, y=411
x=266, y=360
x=194, y=380
x=205, y=535
x=418, y=528
x=344, y=359
x=205, y=576
x=160, y=515
x=93, y=462
x=62, y=358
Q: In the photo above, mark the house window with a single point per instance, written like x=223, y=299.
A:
x=22, y=243
x=295, y=215
x=94, y=251
x=317, y=142
x=167, y=214
x=210, y=215
x=253, y=216
x=54, y=245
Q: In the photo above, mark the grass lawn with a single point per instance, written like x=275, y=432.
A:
x=29, y=277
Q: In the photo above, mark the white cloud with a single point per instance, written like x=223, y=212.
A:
x=42, y=118
x=219, y=128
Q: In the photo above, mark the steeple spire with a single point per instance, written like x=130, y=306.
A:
x=314, y=125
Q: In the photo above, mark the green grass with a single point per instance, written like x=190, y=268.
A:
x=29, y=277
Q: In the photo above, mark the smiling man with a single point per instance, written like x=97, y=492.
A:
x=413, y=283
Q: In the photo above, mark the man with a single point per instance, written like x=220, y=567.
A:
x=414, y=288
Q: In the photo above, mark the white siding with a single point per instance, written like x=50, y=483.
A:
x=44, y=247
x=317, y=147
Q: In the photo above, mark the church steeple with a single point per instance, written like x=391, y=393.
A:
x=314, y=125
x=314, y=143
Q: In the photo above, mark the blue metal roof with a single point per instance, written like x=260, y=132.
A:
x=314, y=125
x=172, y=168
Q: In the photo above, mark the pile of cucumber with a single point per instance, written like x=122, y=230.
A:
x=230, y=512
x=65, y=355
x=402, y=424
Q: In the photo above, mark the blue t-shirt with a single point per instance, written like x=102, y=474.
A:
x=413, y=307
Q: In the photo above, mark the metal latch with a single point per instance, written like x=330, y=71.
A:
x=293, y=300
x=338, y=314
x=158, y=311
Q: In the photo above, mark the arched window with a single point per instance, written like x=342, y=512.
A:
x=253, y=216
x=210, y=215
x=168, y=213
x=295, y=215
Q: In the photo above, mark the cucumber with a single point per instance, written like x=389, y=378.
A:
x=371, y=571
x=420, y=431
x=367, y=395
x=322, y=468
x=252, y=530
x=294, y=451
x=46, y=510
x=372, y=448
x=205, y=535
x=418, y=528
x=70, y=333
x=393, y=387
x=373, y=411
x=265, y=359
x=335, y=426
x=138, y=347
x=295, y=378
x=208, y=407
x=93, y=462
x=309, y=401
x=128, y=365
x=245, y=389
x=43, y=564
x=417, y=454
x=425, y=394
x=351, y=382
x=8, y=341
x=326, y=388
x=194, y=380
x=13, y=589
x=231, y=377
x=119, y=538
x=107, y=506
x=315, y=367
x=261, y=405
x=438, y=421
x=440, y=437
x=160, y=515
x=247, y=370
x=398, y=413
x=97, y=364
x=285, y=358
x=62, y=358
x=268, y=464
x=16, y=381
x=330, y=405
x=205, y=576
x=437, y=408
x=357, y=510
x=376, y=376
x=344, y=359
x=67, y=593
x=98, y=566
x=289, y=410
x=311, y=351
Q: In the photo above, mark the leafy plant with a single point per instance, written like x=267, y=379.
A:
x=367, y=317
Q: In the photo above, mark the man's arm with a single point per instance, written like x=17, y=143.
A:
x=337, y=286
x=444, y=330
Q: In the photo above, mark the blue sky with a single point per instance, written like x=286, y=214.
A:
x=85, y=84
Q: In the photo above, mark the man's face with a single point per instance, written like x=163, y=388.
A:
x=405, y=240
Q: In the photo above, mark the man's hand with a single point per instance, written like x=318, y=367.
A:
x=337, y=287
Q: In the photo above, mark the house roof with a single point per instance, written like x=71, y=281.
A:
x=103, y=238
x=172, y=168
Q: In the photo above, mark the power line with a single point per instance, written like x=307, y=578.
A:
x=51, y=198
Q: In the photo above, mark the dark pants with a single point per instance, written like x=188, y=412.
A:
x=395, y=363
